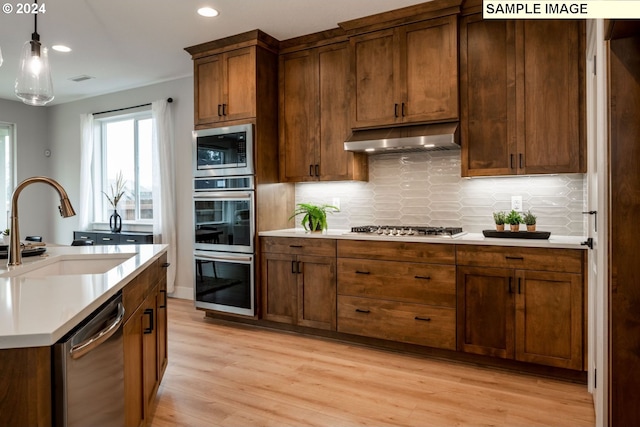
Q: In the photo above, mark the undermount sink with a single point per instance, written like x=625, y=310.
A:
x=90, y=264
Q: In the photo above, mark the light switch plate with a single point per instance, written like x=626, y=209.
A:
x=516, y=203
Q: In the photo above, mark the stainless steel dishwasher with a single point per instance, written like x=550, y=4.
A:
x=89, y=370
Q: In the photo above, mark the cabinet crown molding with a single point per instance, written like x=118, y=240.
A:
x=249, y=38
x=403, y=16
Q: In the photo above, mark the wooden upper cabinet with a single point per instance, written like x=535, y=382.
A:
x=225, y=86
x=522, y=96
x=314, y=116
x=406, y=74
x=551, y=123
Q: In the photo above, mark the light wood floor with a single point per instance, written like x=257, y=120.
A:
x=226, y=374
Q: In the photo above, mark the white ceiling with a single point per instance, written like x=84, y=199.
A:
x=132, y=43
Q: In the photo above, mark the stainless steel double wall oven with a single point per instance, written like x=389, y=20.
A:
x=224, y=219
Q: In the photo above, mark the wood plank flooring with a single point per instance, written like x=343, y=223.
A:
x=227, y=374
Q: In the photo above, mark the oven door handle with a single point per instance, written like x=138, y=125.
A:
x=225, y=257
x=224, y=195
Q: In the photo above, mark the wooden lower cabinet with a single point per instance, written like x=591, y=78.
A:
x=381, y=297
x=527, y=315
x=299, y=289
x=145, y=341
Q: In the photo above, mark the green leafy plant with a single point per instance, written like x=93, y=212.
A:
x=117, y=191
x=529, y=218
x=499, y=217
x=314, y=216
x=513, y=218
x=6, y=232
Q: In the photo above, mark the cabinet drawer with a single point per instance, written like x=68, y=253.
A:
x=136, y=291
x=82, y=235
x=299, y=246
x=135, y=239
x=432, y=284
x=107, y=239
x=435, y=253
x=562, y=260
x=404, y=322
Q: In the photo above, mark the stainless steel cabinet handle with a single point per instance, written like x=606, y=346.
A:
x=79, y=350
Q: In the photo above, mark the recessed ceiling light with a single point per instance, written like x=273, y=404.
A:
x=207, y=11
x=61, y=48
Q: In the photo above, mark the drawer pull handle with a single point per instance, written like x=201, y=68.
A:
x=148, y=312
x=296, y=246
x=425, y=319
x=362, y=272
x=518, y=258
x=359, y=310
x=166, y=265
x=423, y=277
x=131, y=240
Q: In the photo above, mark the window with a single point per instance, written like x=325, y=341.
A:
x=7, y=179
x=124, y=147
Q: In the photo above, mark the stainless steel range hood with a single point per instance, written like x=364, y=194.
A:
x=430, y=137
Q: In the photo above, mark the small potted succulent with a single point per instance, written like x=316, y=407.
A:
x=499, y=218
x=514, y=220
x=6, y=236
x=530, y=220
x=314, y=216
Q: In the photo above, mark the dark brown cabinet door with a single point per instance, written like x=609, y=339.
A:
x=225, y=86
x=549, y=318
x=240, y=80
x=429, y=71
x=299, y=126
x=552, y=117
x=317, y=292
x=151, y=378
x=522, y=96
x=314, y=117
x=280, y=287
x=488, y=96
x=133, y=365
x=208, y=74
x=375, y=99
x=335, y=125
x=485, y=311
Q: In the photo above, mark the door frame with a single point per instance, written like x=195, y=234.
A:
x=596, y=226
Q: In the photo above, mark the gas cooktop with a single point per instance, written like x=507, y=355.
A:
x=406, y=230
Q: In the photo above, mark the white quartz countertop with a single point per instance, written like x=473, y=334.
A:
x=566, y=242
x=38, y=311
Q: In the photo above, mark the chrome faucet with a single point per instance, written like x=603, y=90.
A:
x=65, y=208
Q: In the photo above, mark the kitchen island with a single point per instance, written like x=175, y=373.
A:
x=48, y=296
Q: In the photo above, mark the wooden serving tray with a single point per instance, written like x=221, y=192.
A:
x=517, y=234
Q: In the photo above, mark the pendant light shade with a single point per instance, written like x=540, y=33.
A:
x=33, y=84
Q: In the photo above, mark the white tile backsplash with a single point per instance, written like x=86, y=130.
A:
x=426, y=188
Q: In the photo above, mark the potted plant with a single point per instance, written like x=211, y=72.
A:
x=514, y=220
x=499, y=218
x=5, y=236
x=530, y=220
x=117, y=191
x=314, y=216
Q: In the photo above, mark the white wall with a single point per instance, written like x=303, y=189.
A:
x=37, y=209
x=64, y=164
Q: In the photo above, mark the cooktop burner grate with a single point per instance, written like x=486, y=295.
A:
x=407, y=230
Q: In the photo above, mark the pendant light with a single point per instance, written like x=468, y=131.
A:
x=33, y=84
